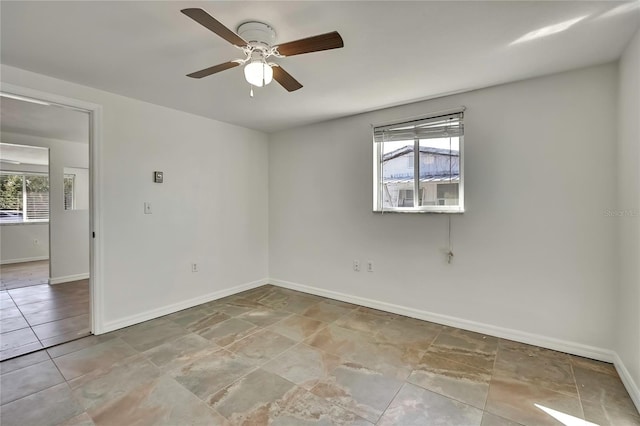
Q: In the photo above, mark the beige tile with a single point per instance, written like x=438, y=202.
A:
x=300, y=407
x=80, y=420
x=100, y=356
x=358, y=389
x=261, y=346
x=101, y=386
x=195, y=320
x=167, y=354
x=209, y=371
x=365, y=320
x=64, y=338
x=392, y=359
x=263, y=317
x=452, y=379
x=410, y=332
x=327, y=312
x=78, y=344
x=158, y=402
x=466, y=347
x=249, y=400
x=603, y=388
x=416, y=406
x=26, y=381
x=207, y=321
x=51, y=406
x=523, y=403
x=353, y=370
x=489, y=419
x=538, y=366
x=604, y=414
x=230, y=309
x=591, y=364
x=297, y=327
x=145, y=336
x=228, y=332
x=23, y=361
x=303, y=365
x=289, y=302
x=256, y=293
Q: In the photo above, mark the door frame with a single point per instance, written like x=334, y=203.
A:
x=95, y=194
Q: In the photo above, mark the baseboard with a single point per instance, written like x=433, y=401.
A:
x=627, y=380
x=185, y=304
x=68, y=278
x=24, y=259
x=574, y=348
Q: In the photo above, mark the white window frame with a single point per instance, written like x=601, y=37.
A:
x=71, y=176
x=378, y=206
x=25, y=218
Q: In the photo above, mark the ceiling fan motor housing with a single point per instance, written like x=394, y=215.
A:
x=257, y=34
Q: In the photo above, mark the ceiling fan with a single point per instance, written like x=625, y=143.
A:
x=256, y=39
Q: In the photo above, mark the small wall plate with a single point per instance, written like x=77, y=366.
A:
x=158, y=177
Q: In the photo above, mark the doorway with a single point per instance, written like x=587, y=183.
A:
x=37, y=314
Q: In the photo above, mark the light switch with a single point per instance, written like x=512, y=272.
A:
x=147, y=207
x=158, y=177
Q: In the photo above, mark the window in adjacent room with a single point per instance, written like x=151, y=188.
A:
x=69, y=192
x=24, y=197
x=418, y=165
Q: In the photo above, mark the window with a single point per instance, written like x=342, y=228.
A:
x=418, y=165
x=24, y=197
x=69, y=192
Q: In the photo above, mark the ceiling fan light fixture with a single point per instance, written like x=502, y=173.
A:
x=258, y=73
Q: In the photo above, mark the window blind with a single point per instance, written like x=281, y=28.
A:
x=444, y=126
x=24, y=197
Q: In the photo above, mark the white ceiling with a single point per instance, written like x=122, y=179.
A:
x=395, y=52
x=47, y=121
x=21, y=154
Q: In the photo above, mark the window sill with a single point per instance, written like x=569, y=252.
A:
x=31, y=222
x=452, y=211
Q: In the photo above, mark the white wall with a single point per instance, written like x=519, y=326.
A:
x=18, y=242
x=211, y=208
x=534, y=251
x=628, y=303
x=69, y=230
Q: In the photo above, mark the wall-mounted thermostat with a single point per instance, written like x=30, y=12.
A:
x=157, y=177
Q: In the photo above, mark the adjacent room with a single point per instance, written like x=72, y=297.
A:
x=319, y=213
x=44, y=234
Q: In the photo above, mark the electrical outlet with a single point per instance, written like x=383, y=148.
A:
x=194, y=267
x=356, y=265
x=369, y=265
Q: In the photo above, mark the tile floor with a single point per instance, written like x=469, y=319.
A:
x=17, y=275
x=275, y=356
x=40, y=316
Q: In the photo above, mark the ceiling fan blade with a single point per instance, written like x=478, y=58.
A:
x=285, y=79
x=209, y=22
x=312, y=44
x=212, y=70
